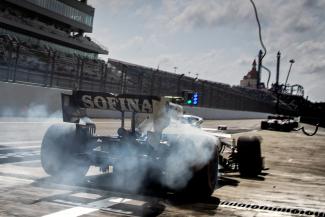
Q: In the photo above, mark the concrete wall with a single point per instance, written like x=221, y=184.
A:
x=34, y=101
x=223, y=114
x=28, y=100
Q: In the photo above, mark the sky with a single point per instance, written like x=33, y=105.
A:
x=217, y=39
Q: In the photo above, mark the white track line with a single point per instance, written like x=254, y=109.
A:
x=30, y=122
x=21, y=142
x=88, y=208
x=108, y=122
x=20, y=147
x=72, y=212
x=50, y=122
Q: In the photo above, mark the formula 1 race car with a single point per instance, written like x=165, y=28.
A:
x=279, y=123
x=158, y=146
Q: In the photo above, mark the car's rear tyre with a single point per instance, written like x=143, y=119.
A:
x=250, y=161
x=264, y=125
x=61, y=152
x=295, y=124
x=204, y=181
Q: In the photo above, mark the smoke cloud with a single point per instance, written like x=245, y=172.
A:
x=193, y=149
x=170, y=164
x=30, y=111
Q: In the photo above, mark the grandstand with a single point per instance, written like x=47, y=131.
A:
x=57, y=24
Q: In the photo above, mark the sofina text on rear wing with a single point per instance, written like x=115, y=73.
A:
x=76, y=105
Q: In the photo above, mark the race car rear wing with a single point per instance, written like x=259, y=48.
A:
x=75, y=106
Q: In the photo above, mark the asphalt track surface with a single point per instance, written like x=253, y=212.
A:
x=294, y=185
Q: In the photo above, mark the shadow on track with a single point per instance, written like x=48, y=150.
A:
x=260, y=177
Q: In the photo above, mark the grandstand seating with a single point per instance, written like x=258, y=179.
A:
x=17, y=16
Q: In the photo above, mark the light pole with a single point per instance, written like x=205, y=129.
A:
x=277, y=70
x=179, y=84
x=124, y=78
x=195, y=79
x=260, y=58
x=10, y=40
x=277, y=82
x=123, y=88
x=196, y=76
x=175, y=68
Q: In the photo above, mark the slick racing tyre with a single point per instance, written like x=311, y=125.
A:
x=264, y=125
x=204, y=181
x=294, y=124
x=249, y=156
x=61, y=152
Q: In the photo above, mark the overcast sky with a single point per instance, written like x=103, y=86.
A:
x=218, y=39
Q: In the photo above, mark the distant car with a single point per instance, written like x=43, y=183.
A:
x=279, y=123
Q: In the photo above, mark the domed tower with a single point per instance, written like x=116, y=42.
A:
x=250, y=79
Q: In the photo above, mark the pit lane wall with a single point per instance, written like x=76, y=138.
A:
x=34, y=101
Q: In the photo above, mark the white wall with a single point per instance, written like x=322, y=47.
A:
x=27, y=100
x=224, y=114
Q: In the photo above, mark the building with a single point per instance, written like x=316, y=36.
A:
x=58, y=25
x=250, y=80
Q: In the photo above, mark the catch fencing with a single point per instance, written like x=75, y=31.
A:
x=43, y=66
